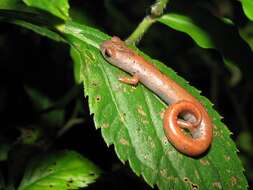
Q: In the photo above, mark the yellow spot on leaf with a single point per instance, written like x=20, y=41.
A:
x=151, y=142
x=227, y=158
x=124, y=141
x=141, y=111
x=145, y=122
x=162, y=113
x=89, y=56
x=217, y=185
x=233, y=180
x=122, y=117
x=163, y=173
x=204, y=162
x=105, y=125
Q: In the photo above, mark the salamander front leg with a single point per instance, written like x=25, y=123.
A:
x=130, y=80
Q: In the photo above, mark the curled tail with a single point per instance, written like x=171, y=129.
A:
x=188, y=127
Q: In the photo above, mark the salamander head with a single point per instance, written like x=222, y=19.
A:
x=115, y=51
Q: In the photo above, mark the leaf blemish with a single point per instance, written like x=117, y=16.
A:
x=186, y=180
x=94, y=83
x=124, y=90
x=122, y=117
x=162, y=113
x=204, y=162
x=144, y=121
x=151, y=142
x=233, y=180
x=89, y=55
x=163, y=173
x=138, y=130
x=105, y=125
x=169, y=152
x=133, y=88
x=216, y=134
x=165, y=140
x=124, y=141
x=194, y=186
x=217, y=185
x=141, y=111
x=70, y=180
x=98, y=98
x=117, y=88
x=227, y=158
x=68, y=185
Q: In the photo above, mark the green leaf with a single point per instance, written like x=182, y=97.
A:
x=247, y=6
x=30, y=135
x=11, y=4
x=77, y=64
x=78, y=15
x=246, y=33
x=4, y=150
x=245, y=142
x=2, y=182
x=42, y=30
x=57, y=8
x=236, y=74
x=130, y=118
x=64, y=170
x=185, y=24
x=31, y=20
x=41, y=102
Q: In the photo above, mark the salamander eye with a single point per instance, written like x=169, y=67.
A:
x=108, y=53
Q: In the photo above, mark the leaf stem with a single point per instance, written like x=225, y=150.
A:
x=74, y=120
x=136, y=36
x=156, y=11
x=158, y=7
x=63, y=101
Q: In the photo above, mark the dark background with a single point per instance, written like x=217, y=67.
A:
x=28, y=59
